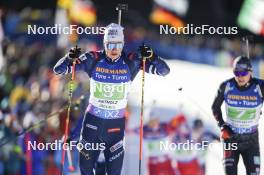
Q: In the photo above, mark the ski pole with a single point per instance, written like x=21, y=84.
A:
x=120, y=8
x=26, y=130
x=68, y=115
x=30, y=128
x=246, y=39
x=142, y=113
x=247, y=47
x=71, y=167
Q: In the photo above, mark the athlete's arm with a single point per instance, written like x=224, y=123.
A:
x=216, y=107
x=84, y=62
x=157, y=66
x=261, y=84
x=154, y=64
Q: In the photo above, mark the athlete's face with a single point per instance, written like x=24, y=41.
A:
x=242, y=78
x=113, y=50
x=154, y=123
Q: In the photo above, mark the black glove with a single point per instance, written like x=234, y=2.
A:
x=146, y=51
x=68, y=140
x=74, y=53
x=226, y=131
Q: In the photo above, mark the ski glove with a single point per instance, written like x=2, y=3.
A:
x=226, y=132
x=74, y=53
x=146, y=52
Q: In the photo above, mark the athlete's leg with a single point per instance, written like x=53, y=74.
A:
x=230, y=161
x=251, y=157
x=114, y=152
x=100, y=168
x=89, y=135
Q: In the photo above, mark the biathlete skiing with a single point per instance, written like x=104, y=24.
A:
x=111, y=72
x=243, y=98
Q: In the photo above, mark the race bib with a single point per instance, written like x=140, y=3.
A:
x=109, y=91
x=109, y=96
x=241, y=114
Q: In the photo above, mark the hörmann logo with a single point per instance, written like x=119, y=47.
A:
x=111, y=71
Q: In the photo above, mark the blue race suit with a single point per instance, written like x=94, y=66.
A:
x=243, y=110
x=104, y=123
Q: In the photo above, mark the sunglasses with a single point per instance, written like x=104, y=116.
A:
x=241, y=73
x=111, y=46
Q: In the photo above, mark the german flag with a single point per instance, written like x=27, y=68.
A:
x=163, y=16
x=79, y=11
